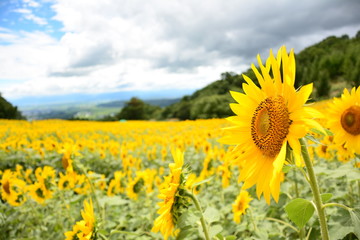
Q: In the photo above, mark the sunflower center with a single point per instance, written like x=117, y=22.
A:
x=6, y=187
x=65, y=162
x=270, y=125
x=241, y=206
x=350, y=120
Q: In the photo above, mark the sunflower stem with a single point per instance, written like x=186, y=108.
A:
x=315, y=189
x=252, y=220
x=92, y=190
x=296, y=185
x=337, y=205
x=284, y=223
x=202, y=219
x=356, y=165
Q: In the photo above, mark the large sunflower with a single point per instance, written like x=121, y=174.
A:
x=344, y=119
x=267, y=120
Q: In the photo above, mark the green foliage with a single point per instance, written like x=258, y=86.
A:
x=323, y=90
x=8, y=111
x=355, y=218
x=332, y=61
x=300, y=211
x=325, y=197
x=136, y=109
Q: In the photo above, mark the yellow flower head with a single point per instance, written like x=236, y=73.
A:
x=85, y=228
x=240, y=205
x=172, y=202
x=268, y=119
x=344, y=119
x=12, y=189
x=135, y=186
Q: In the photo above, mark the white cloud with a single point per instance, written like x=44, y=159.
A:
x=111, y=45
x=31, y=3
x=28, y=15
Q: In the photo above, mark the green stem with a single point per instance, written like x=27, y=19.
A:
x=301, y=233
x=92, y=189
x=284, y=223
x=308, y=234
x=337, y=205
x=305, y=174
x=252, y=220
x=315, y=189
x=358, y=181
x=202, y=219
x=296, y=185
x=61, y=194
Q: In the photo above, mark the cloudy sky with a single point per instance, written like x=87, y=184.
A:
x=59, y=47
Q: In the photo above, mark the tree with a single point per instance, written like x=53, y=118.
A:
x=136, y=109
x=133, y=110
x=324, y=87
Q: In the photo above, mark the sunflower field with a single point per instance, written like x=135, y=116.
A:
x=278, y=169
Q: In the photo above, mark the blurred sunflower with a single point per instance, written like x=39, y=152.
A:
x=135, y=186
x=267, y=120
x=12, y=188
x=41, y=190
x=173, y=201
x=84, y=229
x=344, y=119
x=240, y=205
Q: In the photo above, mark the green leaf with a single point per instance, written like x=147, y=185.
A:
x=339, y=232
x=219, y=236
x=325, y=197
x=185, y=232
x=300, y=211
x=287, y=168
x=187, y=219
x=313, y=139
x=215, y=229
x=356, y=222
x=322, y=133
x=231, y=237
x=211, y=215
x=203, y=181
x=112, y=201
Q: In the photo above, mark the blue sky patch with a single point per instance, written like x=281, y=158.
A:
x=24, y=16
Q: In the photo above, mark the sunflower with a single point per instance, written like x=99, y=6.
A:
x=325, y=149
x=268, y=120
x=12, y=189
x=85, y=228
x=172, y=202
x=344, y=119
x=135, y=186
x=240, y=205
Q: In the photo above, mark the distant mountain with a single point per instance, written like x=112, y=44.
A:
x=84, y=98
x=92, y=111
x=156, y=102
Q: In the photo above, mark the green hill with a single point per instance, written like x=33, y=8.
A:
x=8, y=111
x=331, y=65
